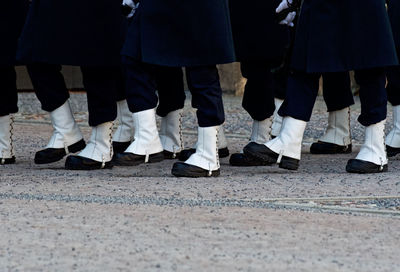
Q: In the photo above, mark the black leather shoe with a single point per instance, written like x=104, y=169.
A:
x=392, y=151
x=7, y=161
x=181, y=169
x=130, y=159
x=223, y=152
x=50, y=155
x=269, y=157
x=330, y=148
x=364, y=167
x=170, y=155
x=80, y=163
x=185, y=154
x=241, y=159
x=120, y=147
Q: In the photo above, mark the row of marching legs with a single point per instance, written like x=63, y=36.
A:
x=137, y=140
x=276, y=136
x=150, y=91
x=302, y=90
x=268, y=147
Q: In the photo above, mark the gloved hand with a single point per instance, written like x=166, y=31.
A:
x=284, y=5
x=129, y=8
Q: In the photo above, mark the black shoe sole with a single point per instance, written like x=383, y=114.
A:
x=77, y=163
x=154, y=158
x=183, y=170
x=392, y=151
x=289, y=164
x=223, y=152
x=270, y=159
x=321, y=148
x=170, y=156
x=7, y=161
x=265, y=158
x=243, y=160
x=362, y=167
x=76, y=147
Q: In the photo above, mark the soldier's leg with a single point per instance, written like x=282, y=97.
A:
x=338, y=98
x=101, y=85
x=9, y=101
x=222, y=143
x=296, y=109
x=170, y=88
x=206, y=92
x=123, y=135
x=372, y=157
x=258, y=101
x=258, y=98
x=142, y=101
x=171, y=94
x=53, y=95
x=279, y=84
x=8, y=106
x=393, y=91
x=172, y=97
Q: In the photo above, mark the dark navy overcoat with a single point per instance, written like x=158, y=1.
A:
x=256, y=32
x=181, y=33
x=12, y=17
x=394, y=14
x=343, y=35
x=73, y=32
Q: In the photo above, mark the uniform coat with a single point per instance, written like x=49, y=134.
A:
x=181, y=33
x=73, y=32
x=394, y=14
x=12, y=17
x=257, y=34
x=393, y=73
x=343, y=35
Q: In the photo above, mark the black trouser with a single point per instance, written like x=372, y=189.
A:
x=171, y=89
x=102, y=84
x=263, y=85
x=337, y=91
x=303, y=89
x=203, y=82
x=9, y=96
x=393, y=86
x=259, y=92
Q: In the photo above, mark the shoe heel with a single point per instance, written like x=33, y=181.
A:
x=78, y=146
x=289, y=163
x=158, y=157
x=216, y=173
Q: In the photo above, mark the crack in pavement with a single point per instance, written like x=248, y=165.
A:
x=277, y=204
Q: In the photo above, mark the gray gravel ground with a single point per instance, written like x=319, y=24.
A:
x=143, y=219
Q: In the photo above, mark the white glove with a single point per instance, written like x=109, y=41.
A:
x=132, y=5
x=283, y=5
x=291, y=15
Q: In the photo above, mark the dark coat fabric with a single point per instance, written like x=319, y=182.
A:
x=12, y=17
x=73, y=32
x=181, y=33
x=257, y=34
x=343, y=35
x=394, y=15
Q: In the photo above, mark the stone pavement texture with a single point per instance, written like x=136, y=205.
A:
x=143, y=219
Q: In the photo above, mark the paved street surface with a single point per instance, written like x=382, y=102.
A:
x=143, y=219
